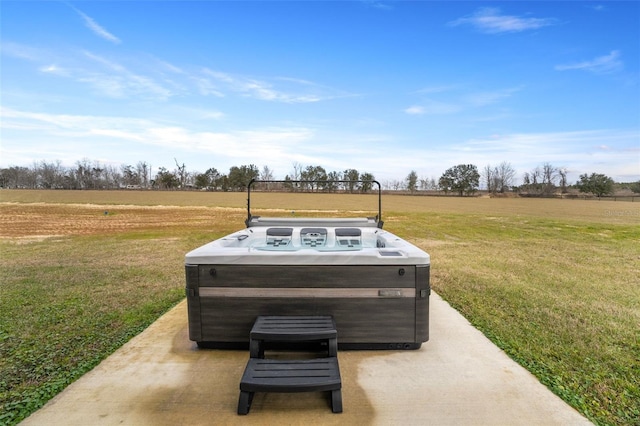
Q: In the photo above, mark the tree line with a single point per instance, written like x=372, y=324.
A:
x=87, y=174
x=462, y=179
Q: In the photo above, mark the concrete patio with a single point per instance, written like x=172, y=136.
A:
x=457, y=378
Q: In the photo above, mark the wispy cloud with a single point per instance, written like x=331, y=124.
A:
x=280, y=89
x=126, y=77
x=601, y=65
x=460, y=103
x=97, y=28
x=596, y=7
x=438, y=89
x=205, y=86
x=554, y=146
x=54, y=69
x=432, y=107
x=415, y=110
x=27, y=52
x=375, y=4
x=273, y=145
x=126, y=139
x=77, y=124
x=490, y=20
x=119, y=82
x=479, y=99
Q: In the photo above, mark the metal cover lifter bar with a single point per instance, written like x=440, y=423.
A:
x=378, y=218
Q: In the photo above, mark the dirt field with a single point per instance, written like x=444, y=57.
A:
x=37, y=221
x=40, y=214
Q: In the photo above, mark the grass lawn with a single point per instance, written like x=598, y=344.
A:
x=555, y=283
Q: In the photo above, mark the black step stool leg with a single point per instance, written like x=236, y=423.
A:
x=333, y=347
x=336, y=401
x=256, y=348
x=244, y=402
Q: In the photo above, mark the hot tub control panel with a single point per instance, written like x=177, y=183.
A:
x=313, y=237
x=279, y=237
x=318, y=238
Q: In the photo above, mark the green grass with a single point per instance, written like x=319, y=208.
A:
x=560, y=297
x=67, y=304
x=554, y=284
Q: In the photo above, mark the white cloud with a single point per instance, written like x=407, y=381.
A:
x=70, y=138
x=580, y=151
x=479, y=99
x=601, y=65
x=271, y=145
x=22, y=51
x=289, y=90
x=597, y=7
x=117, y=134
x=490, y=20
x=113, y=66
x=437, y=89
x=78, y=124
x=471, y=100
x=415, y=110
x=433, y=107
x=206, y=87
x=126, y=77
x=54, y=69
x=119, y=82
x=374, y=4
x=97, y=29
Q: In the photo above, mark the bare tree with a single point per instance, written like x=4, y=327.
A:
x=144, y=173
x=562, y=173
x=500, y=178
x=428, y=184
x=50, y=175
x=112, y=176
x=532, y=181
x=297, y=170
x=487, y=174
x=423, y=183
x=536, y=176
x=266, y=174
x=17, y=177
x=129, y=175
x=395, y=185
x=541, y=180
x=412, y=181
x=504, y=174
x=83, y=173
x=295, y=175
x=549, y=176
x=181, y=174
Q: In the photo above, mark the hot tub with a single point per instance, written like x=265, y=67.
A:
x=374, y=284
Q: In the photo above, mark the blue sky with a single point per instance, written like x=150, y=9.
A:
x=382, y=87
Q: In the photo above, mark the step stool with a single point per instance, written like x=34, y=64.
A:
x=298, y=375
x=293, y=329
